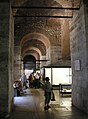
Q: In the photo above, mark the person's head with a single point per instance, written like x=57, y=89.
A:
x=47, y=79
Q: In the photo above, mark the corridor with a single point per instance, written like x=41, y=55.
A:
x=31, y=106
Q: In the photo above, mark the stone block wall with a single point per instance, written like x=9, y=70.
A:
x=79, y=61
x=43, y=63
x=65, y=39
x=11, y=61
x=55, y=54
x=6, y=59
x=17, y=63
x=48, y=56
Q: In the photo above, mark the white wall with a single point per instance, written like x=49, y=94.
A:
x=59, y=75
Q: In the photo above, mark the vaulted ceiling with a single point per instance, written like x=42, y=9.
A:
x=42, y=19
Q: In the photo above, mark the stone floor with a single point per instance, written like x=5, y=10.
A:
x=31, y=106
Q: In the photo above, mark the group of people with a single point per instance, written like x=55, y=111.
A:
x=34, y=81
x=20, y=85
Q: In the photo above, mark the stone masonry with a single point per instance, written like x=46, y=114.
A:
x=6, y=60
x=79, y=57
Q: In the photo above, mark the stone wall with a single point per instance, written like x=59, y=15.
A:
x=43, y=63
x=79, y=61
x=48, y=56
x=17, y=63
x=11, y=60
x=65, y=39
x=55, y=54
x=6, y=59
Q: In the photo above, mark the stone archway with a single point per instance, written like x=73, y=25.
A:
x=38, y=36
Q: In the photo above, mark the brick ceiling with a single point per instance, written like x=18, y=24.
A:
x=40, y=16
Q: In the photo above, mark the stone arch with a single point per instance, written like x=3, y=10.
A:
x=33, y=48
x=33, y=54
x=29, y=62
x=37, y=36
x=33, y=51
x=34, y=43
x=27, y=57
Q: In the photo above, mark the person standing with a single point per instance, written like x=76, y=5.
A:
x=37, y=80
x=24, y=81
x=47, y=93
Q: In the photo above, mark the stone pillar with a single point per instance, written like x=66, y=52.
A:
x=6, y=58
x=21, y=68
x=65, y=39
x=17, y=63
x=55, y=54
x=43, y=63
x=11, y=61
x=48, y=56
x=79, y=58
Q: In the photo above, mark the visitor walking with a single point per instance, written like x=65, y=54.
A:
x=47, y=93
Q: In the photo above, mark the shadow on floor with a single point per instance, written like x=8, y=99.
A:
x=30, y=105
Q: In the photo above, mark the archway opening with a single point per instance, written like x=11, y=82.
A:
x=29, y=63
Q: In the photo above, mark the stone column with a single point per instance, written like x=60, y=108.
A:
x=6, y=58
x=43, y=63
x=65, y=39
x=55, y=54
x=48, y=56
x=17, y=63
x=79, y=58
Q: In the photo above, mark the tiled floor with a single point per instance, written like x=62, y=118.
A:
x=31, y=106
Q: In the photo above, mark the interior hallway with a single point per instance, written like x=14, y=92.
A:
x=31, y=106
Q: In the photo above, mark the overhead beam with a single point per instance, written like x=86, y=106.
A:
x=34, y=7
x=43, y=16
x=34, y=61
x=31, y=63
x=42, y=60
